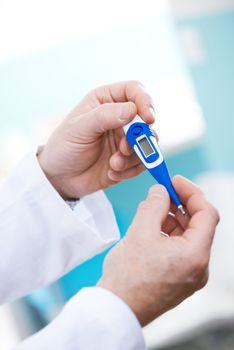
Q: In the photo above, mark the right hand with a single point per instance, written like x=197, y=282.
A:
x=153, y=273
x=89, y=150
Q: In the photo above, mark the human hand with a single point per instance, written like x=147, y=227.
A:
x=89, y=150
x=153, y=273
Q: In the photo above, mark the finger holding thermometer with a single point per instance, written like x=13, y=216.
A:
x=143, y=142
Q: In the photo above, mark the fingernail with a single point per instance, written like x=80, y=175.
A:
x=112, y=175
x=152, y=111
x=157, y=190
x=119, y=162
x=183, y=178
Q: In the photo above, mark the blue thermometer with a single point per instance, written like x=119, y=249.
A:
x=143, y=142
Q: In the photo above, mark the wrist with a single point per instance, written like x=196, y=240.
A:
x=127, y=298
x=57, y=181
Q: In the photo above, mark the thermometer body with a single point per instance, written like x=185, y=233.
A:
x=142, y=140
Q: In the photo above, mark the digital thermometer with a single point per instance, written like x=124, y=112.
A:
x=142, y=140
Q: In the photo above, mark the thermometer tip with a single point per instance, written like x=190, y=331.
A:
x=181, y=209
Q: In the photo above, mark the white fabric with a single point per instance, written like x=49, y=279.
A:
x=93, y=319
x=41, y=239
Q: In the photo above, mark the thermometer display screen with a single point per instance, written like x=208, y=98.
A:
x=146, y=147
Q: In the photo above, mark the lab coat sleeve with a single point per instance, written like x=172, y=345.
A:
x=93, y=319
x=41, y=238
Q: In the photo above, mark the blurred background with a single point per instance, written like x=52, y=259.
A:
x=53, y=52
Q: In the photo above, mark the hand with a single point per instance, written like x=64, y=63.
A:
x=89, y=151
x=152, y=272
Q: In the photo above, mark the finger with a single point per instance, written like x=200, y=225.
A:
x=204, y=217
x=171, y=225
x=153, y=211
x=119, y=162
x=105, y=117
x=183, y=219
x=155, y=134
x=129, y=91
x=185, y=188
x=178, y=231
x=125, y=147
x=127, y=174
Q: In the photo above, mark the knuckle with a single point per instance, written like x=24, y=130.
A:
x=101, y=113
x=104, y=111
x=135, y=83
x=199, y=265
x=158, y=191
x=94, y=92
x=203, y=281
x=213, y=212
x=130, y=107
x=144, y=206
x=216, y=214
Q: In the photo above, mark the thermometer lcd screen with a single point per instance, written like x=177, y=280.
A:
x=146, y=147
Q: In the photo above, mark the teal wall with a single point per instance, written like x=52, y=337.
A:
x=214, y=84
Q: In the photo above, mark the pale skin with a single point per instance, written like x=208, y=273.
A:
x=149, y=271
x=153, y=273
x=89, y=151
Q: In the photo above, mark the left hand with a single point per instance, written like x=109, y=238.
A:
x=89, y=151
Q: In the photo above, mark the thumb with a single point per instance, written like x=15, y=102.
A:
x=153, y=211
x=106, y=117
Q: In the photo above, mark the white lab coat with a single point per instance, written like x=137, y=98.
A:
x=41, y=239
